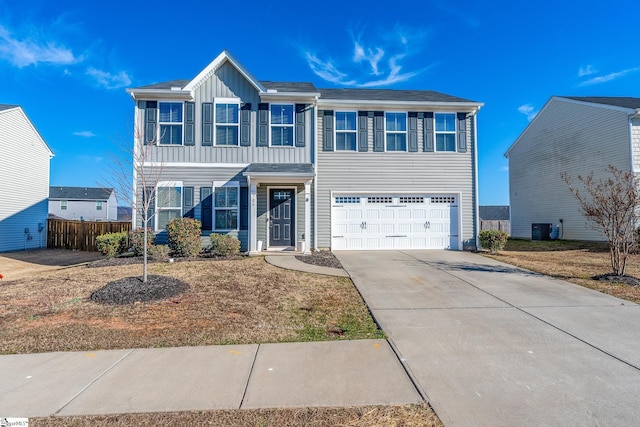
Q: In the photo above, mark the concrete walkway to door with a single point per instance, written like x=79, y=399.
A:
x=490, y=344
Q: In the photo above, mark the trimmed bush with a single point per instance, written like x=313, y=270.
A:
x=112, y=244
x=159, y=252
x=493, y=240
x=136, y=238
x=224, y=244
x=183, y=235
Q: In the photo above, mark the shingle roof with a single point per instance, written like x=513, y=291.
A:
x=7, y=107
x=280, y=168
x=289, y=86
x=166, y=85
x=616, y=101
x=80, y=193
x=494, y=213
x=389, y=95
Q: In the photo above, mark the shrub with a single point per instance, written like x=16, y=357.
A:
x=136, y=237
x=183, y=235
x=224, y=244
x=112, y=244
x=159, y=252
x=493, y=240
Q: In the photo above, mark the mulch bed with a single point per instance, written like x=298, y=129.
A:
x=320, y=258
x=130, y=290
x=613, y=278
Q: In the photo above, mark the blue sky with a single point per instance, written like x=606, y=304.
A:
x=68, y=62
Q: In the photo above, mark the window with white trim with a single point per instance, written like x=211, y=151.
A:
x=170, y=122
x=63, y=205
x=98, y=205
x=445, y=131
x=396, y=131
x=346, y=132
x=282, y=130
x=168, y=203
x=227, y=123
x=226, y=206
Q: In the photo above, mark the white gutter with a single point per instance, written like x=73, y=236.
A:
x=469, y=107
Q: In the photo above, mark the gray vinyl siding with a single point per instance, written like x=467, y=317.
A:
x=570, y=137
x=86, y=209
x=387, y=172
x=263, y=203
x=23, y=201
x=227, y=82
x=635, y=138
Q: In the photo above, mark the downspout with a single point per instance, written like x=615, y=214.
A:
x=315, y=171
x=476, y=226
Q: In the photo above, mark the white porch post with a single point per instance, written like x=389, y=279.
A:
x=253, y=218
x=307, y=217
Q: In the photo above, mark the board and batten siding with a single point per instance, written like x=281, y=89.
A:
x=566, y=136
x=23, y=202
x=391, y=172
x=227, y=82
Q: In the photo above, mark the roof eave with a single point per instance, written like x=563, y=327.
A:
x=283, y=96
x=225, y=55
x=411, y=105
x=137, y=94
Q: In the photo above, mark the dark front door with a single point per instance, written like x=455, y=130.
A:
x=281, y=214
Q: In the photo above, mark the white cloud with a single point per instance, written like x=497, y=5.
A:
x=28, y=51
x=84, y=134
x=109, y=80
x=586, y=71
x=608, y=77
x=504, y=169
x=528, y=110
x=379, y=62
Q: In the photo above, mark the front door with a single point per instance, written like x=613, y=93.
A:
x=281, y=214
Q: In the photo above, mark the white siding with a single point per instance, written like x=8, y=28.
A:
x=635, y=138
x=576, y=138
x=86, y=209
x=23, y=201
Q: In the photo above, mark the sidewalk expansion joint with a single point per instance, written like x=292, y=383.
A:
x=246, y=386
x=94, y=381
x=422, y=393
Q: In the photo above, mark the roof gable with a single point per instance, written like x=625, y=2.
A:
x=7, y=109
x=80, y=193
x=225, y=56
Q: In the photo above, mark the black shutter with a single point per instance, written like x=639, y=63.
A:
x=363, y=132
x=428, y=132
x=206, y=215
x=300, y=122
x=244, y=208
x=413, y=131
x=462, y=132
x=327, y=135
x=245, y=125
x=378, y=131
x=187, y=202
x=189, y=123
x=263, y=125
x=207, y=123
x=150, y=120
x=149, y=194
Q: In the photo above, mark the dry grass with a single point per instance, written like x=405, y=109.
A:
x=229, y=302
x=576, y=262
x=406, y=416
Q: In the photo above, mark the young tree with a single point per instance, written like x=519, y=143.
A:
x=611, y=205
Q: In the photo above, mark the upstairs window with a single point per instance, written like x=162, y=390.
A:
x=168, y=203
x=98, y=205
x=227, y=124
x=63, y=205
x=226, y=206
x=396, y=131
x=345, y=131
x=282, y=125
x=170, y=122
x=445, y=131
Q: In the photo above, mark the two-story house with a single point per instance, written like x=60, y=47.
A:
x=86, y=203
x=285, y=165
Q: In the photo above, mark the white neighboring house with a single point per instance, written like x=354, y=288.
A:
x=24, y=181
x=83, y=203
x=576, y=135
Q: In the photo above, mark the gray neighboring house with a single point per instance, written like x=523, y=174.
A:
x=286, y=165
x=24, y=181
x=87, y=203
x=495, y=218
x=576, y=135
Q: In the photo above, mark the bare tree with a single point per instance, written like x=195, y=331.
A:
x=136, y=180
x=611, y=205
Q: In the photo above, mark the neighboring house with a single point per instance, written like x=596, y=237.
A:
x=124, y=213
x=285, y=165
x=494, y=218
x=576, y=135
x=24, y=181
x=86, y=203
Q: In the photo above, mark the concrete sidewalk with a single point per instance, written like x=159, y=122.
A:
x=312, y=374
x=290, y=262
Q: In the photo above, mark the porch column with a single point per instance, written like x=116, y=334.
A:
x=253, y=218
x=307, y=217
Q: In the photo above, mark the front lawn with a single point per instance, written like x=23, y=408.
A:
x=574, y=261
x=236, y=301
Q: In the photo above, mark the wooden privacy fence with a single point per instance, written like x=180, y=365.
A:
x=502, y=225
x=80, y=235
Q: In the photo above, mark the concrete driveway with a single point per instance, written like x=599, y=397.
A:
x=492, y=345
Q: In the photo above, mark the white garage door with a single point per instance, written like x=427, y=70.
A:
x=391, y=221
